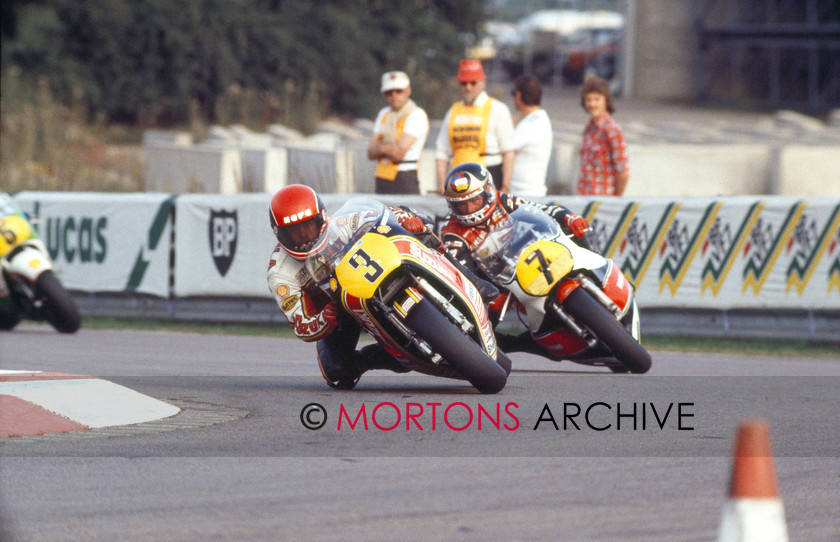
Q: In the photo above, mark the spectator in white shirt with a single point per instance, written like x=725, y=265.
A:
x=532, y=139
x=399, y=135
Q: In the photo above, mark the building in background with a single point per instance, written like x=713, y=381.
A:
x=784, y=53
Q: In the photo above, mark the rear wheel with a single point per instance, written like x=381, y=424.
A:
x=609, y=331
x=59, y=308
x=459, y=350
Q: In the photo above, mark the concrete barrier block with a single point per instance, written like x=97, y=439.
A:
x=809, y=170
x=325, y=170
x=698, y=170
x=180, y=170
x=427, y=172
x=364, y=169
x=264, y=170
x=167, y=138
x=563, y=168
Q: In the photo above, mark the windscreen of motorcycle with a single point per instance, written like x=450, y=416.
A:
x=499, y=253
x=344, y=231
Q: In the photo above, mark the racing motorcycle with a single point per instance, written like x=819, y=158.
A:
x=410, y=298
x=29, y=287
x=576, y=304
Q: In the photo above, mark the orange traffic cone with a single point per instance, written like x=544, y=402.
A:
x=754, y=511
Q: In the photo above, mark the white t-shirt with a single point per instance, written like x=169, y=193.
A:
x=533, y=139
x=416, y=124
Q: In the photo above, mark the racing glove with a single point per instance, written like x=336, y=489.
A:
x=330, y=314
x=413, y=224
x=317, y=327
x=577, y=224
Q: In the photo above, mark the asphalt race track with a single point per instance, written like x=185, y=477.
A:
x=564, y=452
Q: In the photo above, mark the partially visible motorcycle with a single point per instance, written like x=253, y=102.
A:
x=28, y=286
x=410, y=298
x=576, y=304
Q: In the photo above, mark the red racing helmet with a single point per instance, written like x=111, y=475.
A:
x=299, y=220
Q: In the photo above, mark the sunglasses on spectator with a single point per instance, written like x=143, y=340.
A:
x=393, y=91
x=468, y=83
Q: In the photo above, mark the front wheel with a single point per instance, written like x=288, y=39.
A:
x=609, y=331
x=59, y=308
x=459, y=350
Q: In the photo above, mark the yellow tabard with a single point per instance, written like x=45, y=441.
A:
x=386, y=169
x=468, y=132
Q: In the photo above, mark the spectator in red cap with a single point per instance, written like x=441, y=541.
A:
x=476, y=129
x=399, y=135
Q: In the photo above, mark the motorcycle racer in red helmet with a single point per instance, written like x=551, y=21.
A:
x=300, y=223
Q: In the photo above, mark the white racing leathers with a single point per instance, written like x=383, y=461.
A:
x=297, y=295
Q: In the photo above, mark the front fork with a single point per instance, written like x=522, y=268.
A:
x=397, y=311
x=585, y=282
x=398, y=308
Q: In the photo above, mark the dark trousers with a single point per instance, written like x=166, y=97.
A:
x=405, y=183
x=496, y=172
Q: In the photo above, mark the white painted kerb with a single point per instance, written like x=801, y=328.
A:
x=91, y=401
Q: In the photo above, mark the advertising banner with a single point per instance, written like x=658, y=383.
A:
x=105, y=242
x=722, y=253
x=222, y=245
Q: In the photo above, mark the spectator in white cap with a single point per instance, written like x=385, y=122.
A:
x=399, y=135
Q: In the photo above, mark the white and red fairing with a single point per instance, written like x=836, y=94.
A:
x=562, y=341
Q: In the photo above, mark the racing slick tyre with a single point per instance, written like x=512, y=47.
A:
x=597, y=319
x=459, y=350
x=503, y=361
x=59, y=308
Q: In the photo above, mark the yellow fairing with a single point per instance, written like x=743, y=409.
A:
x=541, y=265
x=14, y=230
x=366, y=264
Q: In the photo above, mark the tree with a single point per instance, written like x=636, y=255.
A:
x=154, y=61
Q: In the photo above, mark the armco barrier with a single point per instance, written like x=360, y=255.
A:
x=738, y=266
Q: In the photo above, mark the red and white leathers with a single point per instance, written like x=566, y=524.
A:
x=297, y=295
x=300, y=299
x=462, y=240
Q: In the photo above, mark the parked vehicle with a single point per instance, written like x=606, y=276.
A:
x=564, y=42
x=410, y=298
x=28, y=286
x=593, y=50
x=576, y=304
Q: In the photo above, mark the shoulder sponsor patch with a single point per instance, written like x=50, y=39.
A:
x=289, y=303
x=282, y=290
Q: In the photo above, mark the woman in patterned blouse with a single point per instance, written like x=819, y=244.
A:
x=604, y=169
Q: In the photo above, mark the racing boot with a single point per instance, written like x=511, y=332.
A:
x=341, y=372
x=374, y=356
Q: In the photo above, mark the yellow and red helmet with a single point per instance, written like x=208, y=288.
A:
x=470, y=193
x=299, y=220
